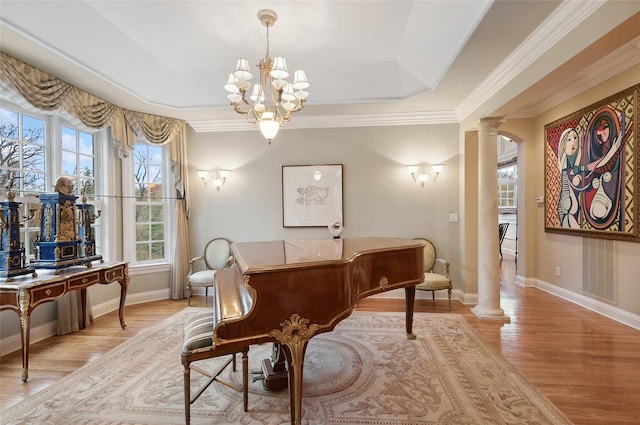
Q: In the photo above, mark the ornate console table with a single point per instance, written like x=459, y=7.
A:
x=24, y=294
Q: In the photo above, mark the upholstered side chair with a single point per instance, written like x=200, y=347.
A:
x=436, y=272
x=202, y=270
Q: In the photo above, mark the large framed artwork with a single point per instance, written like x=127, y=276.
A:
x=591, y=170
x=311, y=195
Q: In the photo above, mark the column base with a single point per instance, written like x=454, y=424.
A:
x=495, y=315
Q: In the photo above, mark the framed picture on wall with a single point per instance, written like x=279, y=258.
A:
x=591, y=170
x=311, y=195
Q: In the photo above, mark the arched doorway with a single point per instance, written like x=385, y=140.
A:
x=511, y=163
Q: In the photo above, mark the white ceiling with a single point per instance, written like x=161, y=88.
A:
x=430, y=61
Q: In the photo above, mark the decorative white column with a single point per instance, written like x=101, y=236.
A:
x=488, y=248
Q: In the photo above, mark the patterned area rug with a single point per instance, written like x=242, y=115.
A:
x=364, y=372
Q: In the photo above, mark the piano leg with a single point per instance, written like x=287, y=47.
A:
x=410, y=296
x=294, y=336
x=295, y=360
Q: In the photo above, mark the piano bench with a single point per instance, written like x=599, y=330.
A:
x=197, y=344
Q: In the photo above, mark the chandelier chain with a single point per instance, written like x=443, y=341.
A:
x=267, y=41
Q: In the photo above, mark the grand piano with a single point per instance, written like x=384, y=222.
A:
x=286, y=292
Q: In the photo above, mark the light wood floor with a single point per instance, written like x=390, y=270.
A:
x=586, y=364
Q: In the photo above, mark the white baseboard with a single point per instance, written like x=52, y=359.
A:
x=525, y=282
x=456, y=294
x=594, y=305
x=13, y=343
x=132, y=299
x=602, y=308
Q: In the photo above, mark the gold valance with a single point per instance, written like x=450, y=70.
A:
x=20, y=81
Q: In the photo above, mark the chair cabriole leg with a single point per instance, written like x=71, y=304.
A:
x=187, y=393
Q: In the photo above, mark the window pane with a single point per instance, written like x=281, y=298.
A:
x=33, y=182
x=142, y=232
x=142, y=213
x=157, y=250
x=142, y=252
x=86, y=165
x=155, y=155
x=68, y=138
x=4, y=177
x=507, y=185
x=157, y=213
x=140, y=152
x=68, y=163
x=32, y=129
x=157, y=232
x=85, y=141
x=142, y=192
x=9, y=154
x=155, y=192
x=89, y=188
x=33, y=157
x=8, y=124
x=155, y=174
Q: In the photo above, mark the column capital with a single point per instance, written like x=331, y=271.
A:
x=490, y=125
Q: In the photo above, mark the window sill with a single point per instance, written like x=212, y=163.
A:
x=140, y=269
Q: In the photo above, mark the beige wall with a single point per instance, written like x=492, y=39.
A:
x=470, y=206
x=546, y=251
x=380, y=199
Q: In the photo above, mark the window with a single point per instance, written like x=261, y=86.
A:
x=77, y=158
x=149, y=171
x=36, y=149
x=77, y=161
x=507, y=186
x=22, y=152
x=23, y=165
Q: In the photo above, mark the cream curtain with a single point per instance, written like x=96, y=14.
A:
x=32, y=88
x=23, y=83
x=70, y=313
x=178, y=156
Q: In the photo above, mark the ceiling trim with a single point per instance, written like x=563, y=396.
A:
x=598, y=72
x=335, y=121
x=565, y=19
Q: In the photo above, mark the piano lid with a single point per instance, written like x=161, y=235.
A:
x=274, y=255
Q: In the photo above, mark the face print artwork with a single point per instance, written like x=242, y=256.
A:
x=591, y=170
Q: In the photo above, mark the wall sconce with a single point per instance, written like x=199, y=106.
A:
x=421, y=172
x=217, y=176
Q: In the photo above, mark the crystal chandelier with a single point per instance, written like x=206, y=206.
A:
x=273, y=99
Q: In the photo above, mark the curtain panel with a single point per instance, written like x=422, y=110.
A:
x=31, y=88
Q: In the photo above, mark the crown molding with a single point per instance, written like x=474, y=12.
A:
x=616, y=63
x=335, y=121
x=565, y=19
